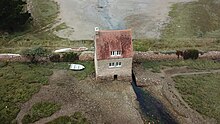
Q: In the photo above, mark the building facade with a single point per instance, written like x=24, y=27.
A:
x=113, y=54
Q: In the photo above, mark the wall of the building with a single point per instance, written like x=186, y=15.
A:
x=123, y=73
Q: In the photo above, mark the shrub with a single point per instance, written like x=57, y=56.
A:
x=70, y=57
x=34, y=53
x=190, y=54
x=55, y=58
x=76, y=118
x=40, y=110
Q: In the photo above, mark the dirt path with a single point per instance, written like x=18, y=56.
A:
x=145, y=17
x=195, y=73
x=100, y=102
x=182, y=110
x=162, y=86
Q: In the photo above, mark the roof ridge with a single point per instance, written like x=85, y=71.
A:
x=114, y=30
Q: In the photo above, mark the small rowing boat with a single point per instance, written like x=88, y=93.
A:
x=76, y=67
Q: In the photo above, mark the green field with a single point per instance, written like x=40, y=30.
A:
x=40, y=31
x=192, y=25
x=156, y=66
x=201, y=92
x=19, y=81
x=199, y=19
x=76, y=118
x=40, y=110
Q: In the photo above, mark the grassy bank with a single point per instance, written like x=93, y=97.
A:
x=198, y=19
x=40, y=110
x=204, y=44
x=19, y=81
x=192, y=25
x=40, y=31
x=156, y=66
x=76, y=118
x=201, y=92
x=44, y=12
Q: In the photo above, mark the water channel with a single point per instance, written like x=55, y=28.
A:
x=151, y=109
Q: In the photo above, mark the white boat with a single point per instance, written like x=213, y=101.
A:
x=9, y=55
x=63, y=50
x=76, y=67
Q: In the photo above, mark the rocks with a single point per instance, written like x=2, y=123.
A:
x=150, y=55
x=153, y=56
x=86, y=56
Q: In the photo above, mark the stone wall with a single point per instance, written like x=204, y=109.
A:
x=123, y=73
x=86, y=56
x=150, y=55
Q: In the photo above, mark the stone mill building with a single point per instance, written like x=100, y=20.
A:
x=113, y=54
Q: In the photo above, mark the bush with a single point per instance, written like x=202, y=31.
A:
x=76, y=118
x=34, y=53
x=190, y=54
x=55, y=58
x=70, y=57
x=19, y=81
x=40, y=110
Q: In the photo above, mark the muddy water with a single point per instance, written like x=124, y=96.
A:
x=151, y=109
x=145, y=17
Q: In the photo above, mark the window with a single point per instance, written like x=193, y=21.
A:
x=114, y=64
x=111, y=65
x=115, y=53
x=118, y=64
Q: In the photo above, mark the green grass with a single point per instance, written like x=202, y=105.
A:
x=19, y=81
x=201, y=92
x=60, y=27
x=193, y=25
x=193, y=19
x=76, y=118
x=156, y=66
x=89, y=69
x=44, y=12
x=40, y=110
x=204, y=44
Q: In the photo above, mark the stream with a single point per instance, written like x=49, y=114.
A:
x=150, y=108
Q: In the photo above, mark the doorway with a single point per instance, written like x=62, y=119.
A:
x=115, y=77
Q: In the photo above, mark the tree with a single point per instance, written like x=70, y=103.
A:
x=191, y=54
x=34, y=53
x=12, y=14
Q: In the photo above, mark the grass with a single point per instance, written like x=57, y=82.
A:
x=40, y=31
x=193, y=25
x=89, y=69
x=156, y=66
x=19, y=81
x=44, y=12
x=60, y=27
x=76, y=118
x=201, y=92
x=40, y=110
x=204, y=44
x=193, y=19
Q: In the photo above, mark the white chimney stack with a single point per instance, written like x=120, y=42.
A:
x=96, y=30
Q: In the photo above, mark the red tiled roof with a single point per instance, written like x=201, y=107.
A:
x=114, y=40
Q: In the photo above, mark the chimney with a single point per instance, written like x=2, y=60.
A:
x=96, y=30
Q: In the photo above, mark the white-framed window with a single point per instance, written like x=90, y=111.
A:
x=115, y=53
x=118, y=64
x=114, y=64
x=111, y=65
